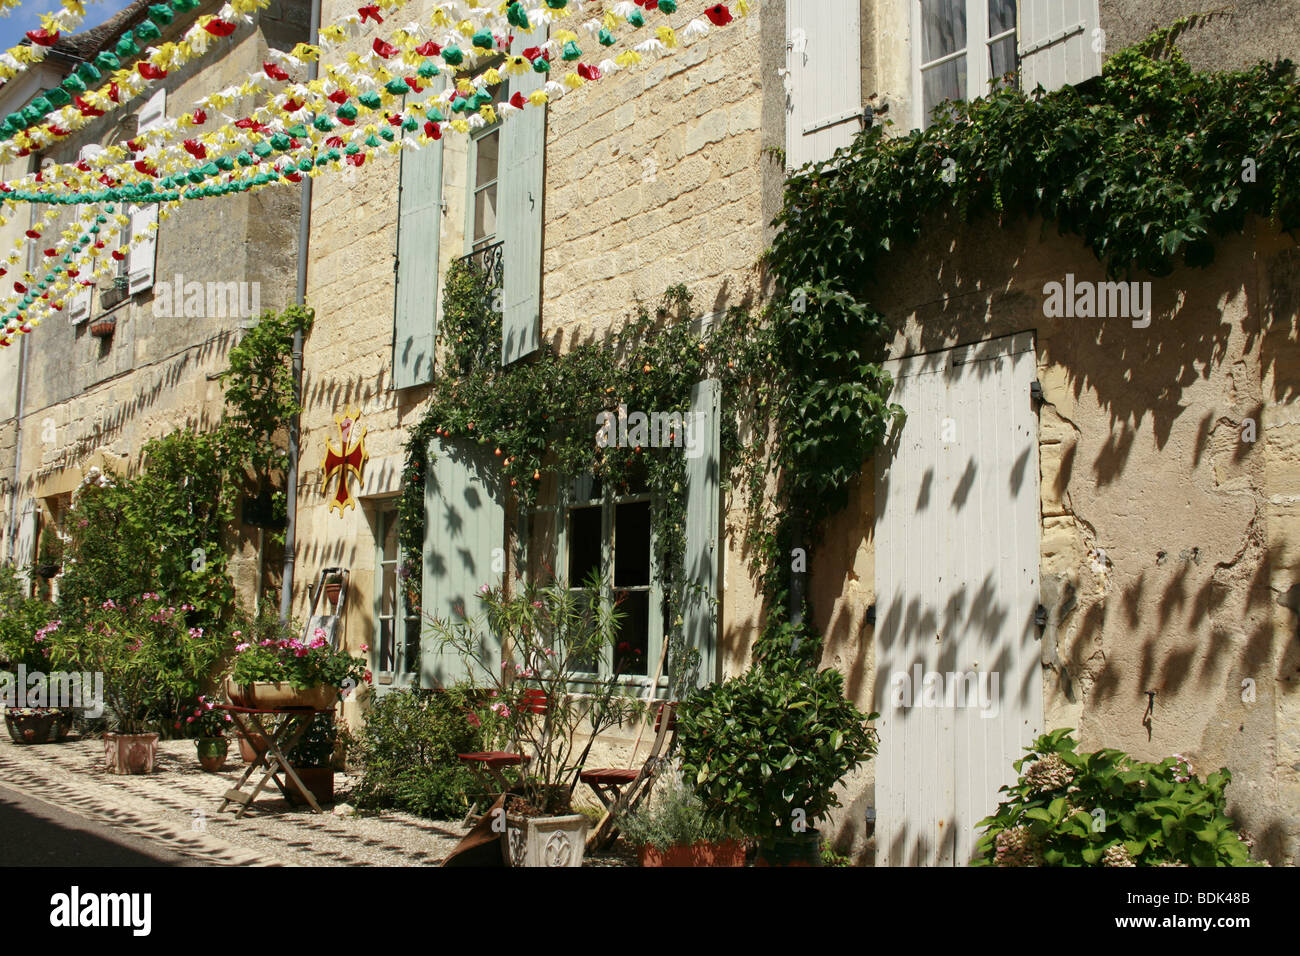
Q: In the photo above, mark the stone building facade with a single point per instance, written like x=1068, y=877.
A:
x=1155, y=550
x=94, y=401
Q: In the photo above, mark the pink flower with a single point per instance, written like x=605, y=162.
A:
x=537, y=604
x=365, y=647
x=473, y=720
x=500, y=708
x=240, y=648
x=484, y=589
x=189, y=720
x=319, y=632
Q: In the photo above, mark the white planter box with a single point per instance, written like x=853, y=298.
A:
x=545, y=841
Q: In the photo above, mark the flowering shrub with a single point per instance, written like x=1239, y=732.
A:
x=1108, y=809
x=553, y=634
x=23, y=624
x=207, y=721
x=151, y=658
x=302, y=665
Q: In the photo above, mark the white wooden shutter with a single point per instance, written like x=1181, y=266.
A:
x=703, y=519
x=823, y=57
x=79, y=296
x=520, y=183
x=419, y=227
x=957, y=585
x=1060, y=42
x=25, y=543
x=144, y=240
x=464, y=523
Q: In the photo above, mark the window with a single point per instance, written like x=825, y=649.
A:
x=610, y=535
x=396, y=646
x=963, y=46
x=485, y=150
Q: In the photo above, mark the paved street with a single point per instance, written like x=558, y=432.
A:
x=57, y=805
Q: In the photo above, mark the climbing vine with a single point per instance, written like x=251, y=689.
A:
x=1149, y=165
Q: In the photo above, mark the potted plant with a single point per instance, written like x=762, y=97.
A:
x=147, y=657
x=209, y=726
x=311, y=759
x=766, y=750
x=547, y=635
x=282, y=671
x=674, y=829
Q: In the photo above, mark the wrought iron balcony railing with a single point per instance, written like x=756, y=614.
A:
x=488, y=261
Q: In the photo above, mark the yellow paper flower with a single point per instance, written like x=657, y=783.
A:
x=667, y=35
x=538, y=98
x=459, y=125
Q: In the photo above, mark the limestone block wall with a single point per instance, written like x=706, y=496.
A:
x=91, y=401
x=1167, y=535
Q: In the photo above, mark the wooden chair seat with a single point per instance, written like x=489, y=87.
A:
x=609, y=775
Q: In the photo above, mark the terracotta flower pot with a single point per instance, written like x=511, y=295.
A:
x=250, y=751
x=212, y=752
x=271, y=695
x=726, y=853
x=130, y=753
x=318, y=780
x=545, y=841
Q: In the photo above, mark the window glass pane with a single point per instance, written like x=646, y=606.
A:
x=387, y=654
x=388, y=596
x=944, y=82
x=485, y=213
x=412, y=645
x=1002, y=61
x=389, y=520
x=1002, y=16
x=485, y=157
x=632, y=650
x=632, y=545
x=943, y=28
x=584, y=544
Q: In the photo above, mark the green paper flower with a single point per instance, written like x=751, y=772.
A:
x=161, y=13
x=397, y=87
x=371, y=99
x=453, y=55
x=148, y=31
x=517, y=16
x=571, y=51
x=107, y=62
x=636, y=19
x=606, y=38
x=427, y=70
x=483, y=40
x=541, y=65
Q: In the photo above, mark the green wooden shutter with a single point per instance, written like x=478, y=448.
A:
x=464, y=523
x=519, y=217
x=419, y=224
x=703, y=504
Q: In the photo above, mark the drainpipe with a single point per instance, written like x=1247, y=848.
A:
x=19, y=409
x=304, y=236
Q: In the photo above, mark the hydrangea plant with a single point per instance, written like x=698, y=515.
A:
x=1108, y=809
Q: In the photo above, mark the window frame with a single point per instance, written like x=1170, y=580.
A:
x=386, y=517
x=656, y=632
x=979, y=72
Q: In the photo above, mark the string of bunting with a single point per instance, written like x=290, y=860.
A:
x=283, y=140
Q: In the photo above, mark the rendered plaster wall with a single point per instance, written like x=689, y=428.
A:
x=92, y=401
x=1145, y=456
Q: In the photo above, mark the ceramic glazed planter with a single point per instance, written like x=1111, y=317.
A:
x=52, y=726
x=797, y=849
x=212, y=752
x=545, y=841
x=726, y=853
x=269, y=695
x=130, y=753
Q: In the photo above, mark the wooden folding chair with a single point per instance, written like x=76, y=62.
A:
x=489, y=765
x=622, y=789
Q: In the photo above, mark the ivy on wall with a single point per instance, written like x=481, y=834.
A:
x=1149, y=164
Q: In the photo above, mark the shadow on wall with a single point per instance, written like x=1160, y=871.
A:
x=1173, y=560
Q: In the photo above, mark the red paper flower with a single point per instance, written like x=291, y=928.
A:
x=356, y=159
x=370, y=13
x=293, y=177
x=384, y=48
x=532, y=53
x=338, y=96
x=86, y=108
x=149, y=71
x=51, y=252
x=413, y=84
x=43, y=37
x=428, y=49
x=588, y=72
x=219, y=28
x=719, y=14
x=195, y=149
x=292, y=106
x=335, y=142
x=432, y=130
x=113, y=93
x=32, y=233
x=518, y=100
x=275, y=71
x=200, y=117
x=119, y=255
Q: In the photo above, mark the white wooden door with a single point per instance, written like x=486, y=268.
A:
x=958, y=682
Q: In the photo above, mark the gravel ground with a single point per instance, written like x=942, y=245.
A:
x=177, y=807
